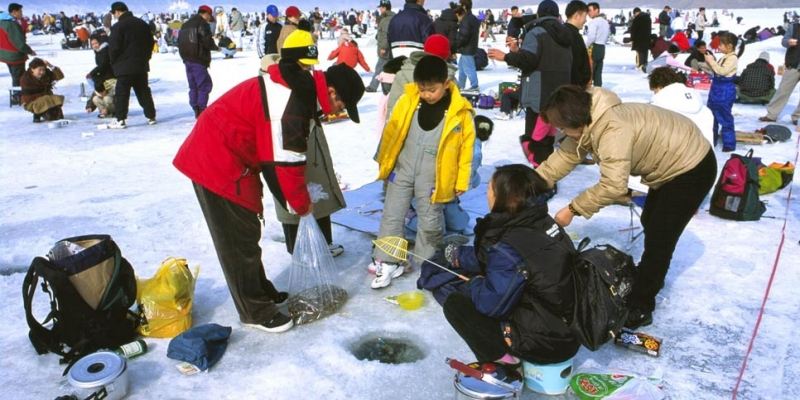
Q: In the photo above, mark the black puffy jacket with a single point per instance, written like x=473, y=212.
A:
x=130, y=46
x=195, y=42
x=447, y=25
x=468, y=31
x=538, y=331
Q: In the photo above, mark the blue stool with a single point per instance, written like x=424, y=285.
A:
x=548, y=378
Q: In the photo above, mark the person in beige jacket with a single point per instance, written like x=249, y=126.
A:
x=665, y=148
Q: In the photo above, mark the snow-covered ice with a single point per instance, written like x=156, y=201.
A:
x=79, y=180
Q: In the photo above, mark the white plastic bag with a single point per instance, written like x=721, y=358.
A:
x=312, y=289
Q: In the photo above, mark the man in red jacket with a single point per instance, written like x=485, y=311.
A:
x=260, y=126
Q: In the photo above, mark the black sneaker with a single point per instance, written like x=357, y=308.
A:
x=279, y=323
x=37, y=118
x=281, y=299
x=638, y=318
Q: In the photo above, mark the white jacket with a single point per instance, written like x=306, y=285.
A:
x=687, y=102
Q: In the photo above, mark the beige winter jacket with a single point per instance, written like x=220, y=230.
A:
x=627, y=139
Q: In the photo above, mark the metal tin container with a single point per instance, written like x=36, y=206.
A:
x=469, y=388
x=103, y=374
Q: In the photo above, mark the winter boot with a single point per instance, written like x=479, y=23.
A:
x=384, y=273
x=38, y=118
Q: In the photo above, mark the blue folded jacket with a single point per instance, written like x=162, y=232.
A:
x=201, y=346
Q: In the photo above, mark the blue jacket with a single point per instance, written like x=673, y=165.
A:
x=410, y=27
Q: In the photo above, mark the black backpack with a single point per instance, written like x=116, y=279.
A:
x=603, y=278
x=91, y=288
x=481, y=59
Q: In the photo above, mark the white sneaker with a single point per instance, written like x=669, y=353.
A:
x=336, y=249
x=384, y=274
x=151, y=121
x=117, y=124
x=502, y=116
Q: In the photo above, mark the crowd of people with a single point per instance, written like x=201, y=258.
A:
x=428, y=153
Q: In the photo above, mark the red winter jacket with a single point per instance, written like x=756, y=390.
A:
x=348, y=53
x=234, y=139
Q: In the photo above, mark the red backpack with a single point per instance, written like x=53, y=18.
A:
x=736, y=192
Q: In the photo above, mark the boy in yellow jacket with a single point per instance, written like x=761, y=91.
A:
x=425, y=154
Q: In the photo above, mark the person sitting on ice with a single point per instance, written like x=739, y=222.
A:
x=425, y=154
x=226, y=46
x=102, y=77
x=348, y=53
x=37, y=91
x=697, y=57
x=670, y=92
x=756, y=84
x=667, y=59
x=502, y=316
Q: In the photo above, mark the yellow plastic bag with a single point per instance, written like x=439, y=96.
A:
x=165, y=300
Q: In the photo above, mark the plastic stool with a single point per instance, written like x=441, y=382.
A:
x=547, y=378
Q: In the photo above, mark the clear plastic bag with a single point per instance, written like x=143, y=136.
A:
x=314, y=294
x=165, y=300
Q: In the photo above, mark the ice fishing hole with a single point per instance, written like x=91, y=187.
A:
x=386, y=349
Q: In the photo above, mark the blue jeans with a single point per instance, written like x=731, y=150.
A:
x=466, y=68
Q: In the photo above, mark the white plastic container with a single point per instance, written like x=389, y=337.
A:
x=104, y=374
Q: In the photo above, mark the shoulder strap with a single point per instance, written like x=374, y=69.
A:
x=264, y=102
x=43, y=340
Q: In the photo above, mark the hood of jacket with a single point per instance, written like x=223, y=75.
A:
x=490, y=228
x=679, y=98
x=554, y=28
x=4, y=16
x=102, y=46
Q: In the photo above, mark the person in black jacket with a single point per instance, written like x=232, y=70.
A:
x=502, y=316
x=130, y=47
x=663, y=21
x=102, y=77
x=409, y=29
x=576, y=13
x=272, y=29
x=641, y=28
x=447, y=25
x=545, y=62
x=467, y=37
x=515, y=23
x=195, y=43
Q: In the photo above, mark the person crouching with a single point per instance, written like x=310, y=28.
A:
x=37, y=91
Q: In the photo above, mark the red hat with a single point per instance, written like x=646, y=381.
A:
x=204, y=9
x=292, y=11
x=438, y=45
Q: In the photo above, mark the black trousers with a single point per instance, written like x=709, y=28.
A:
x=483, y=334
x=598, y=55
x=122, y=96
x=235, y=232
x=16, y=72
x=290, y=232
x=700, y=35
x=641, y=59
x=666, y=213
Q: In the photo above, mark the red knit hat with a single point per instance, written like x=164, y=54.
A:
x=292, y=11
x=205, y=9
x=438, y=45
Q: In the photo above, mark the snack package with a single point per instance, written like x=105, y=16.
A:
x=639, y=341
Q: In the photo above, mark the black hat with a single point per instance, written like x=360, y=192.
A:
x=119, y=6
x=349, y=87
x=385, y=3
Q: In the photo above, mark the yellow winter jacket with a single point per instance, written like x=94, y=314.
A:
x=454, y=157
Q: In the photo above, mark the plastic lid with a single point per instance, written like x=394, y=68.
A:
x=96, y=369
